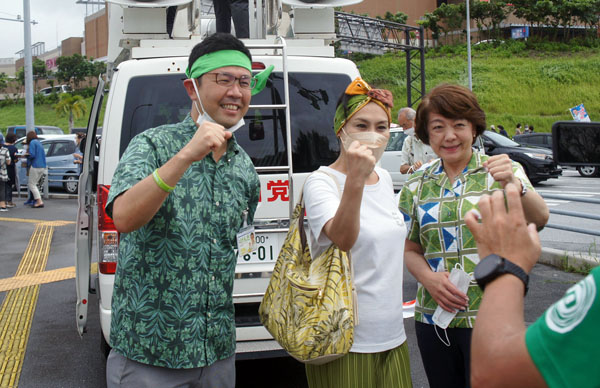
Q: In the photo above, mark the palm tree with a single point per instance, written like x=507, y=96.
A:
x=74, y=106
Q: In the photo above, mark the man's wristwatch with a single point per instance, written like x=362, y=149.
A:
x=493, y=266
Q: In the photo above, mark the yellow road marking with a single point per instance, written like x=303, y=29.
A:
x=32, y=221
x=19, y=305
x=33, y=279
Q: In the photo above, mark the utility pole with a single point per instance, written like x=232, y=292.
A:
x=29, y=116
x=469, y=46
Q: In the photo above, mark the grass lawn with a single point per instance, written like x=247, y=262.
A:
x=513, y=85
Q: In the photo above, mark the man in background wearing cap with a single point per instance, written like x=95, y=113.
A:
x=179, y=196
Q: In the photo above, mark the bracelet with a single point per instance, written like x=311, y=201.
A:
x=161, y=183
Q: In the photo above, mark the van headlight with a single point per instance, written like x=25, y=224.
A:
x=536, y=156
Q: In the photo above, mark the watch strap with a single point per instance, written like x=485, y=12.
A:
x=503, y=266
x=514, y=269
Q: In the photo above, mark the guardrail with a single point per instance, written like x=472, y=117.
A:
x=573, y=214
x=50, y=176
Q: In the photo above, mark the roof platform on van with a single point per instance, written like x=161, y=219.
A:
x=160, y=48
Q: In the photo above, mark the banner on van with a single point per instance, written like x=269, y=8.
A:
x=579, y=114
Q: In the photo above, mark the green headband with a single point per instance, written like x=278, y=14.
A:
x=223, y=58
x=355, y=103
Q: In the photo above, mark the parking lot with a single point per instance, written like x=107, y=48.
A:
x=40, y=344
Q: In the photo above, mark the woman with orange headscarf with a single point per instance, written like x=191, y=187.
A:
x=364, y=220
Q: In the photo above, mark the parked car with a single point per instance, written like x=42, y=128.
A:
x=542, y=139
x=537, y=162
x=545, y=140
x=21, y=130
x=391, y=157
x=62, y=170
x=55, y=89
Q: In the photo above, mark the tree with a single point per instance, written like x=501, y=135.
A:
x=451, y=17
x=75, y=68
x=3, y=82
x=399, y=17
x=430, y=22
x=73, y=106
x=97, y=68
x=39, y=71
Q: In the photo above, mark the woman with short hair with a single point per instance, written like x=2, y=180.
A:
x=434, y=202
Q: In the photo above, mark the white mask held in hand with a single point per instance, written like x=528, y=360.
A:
x=376, y=142
x=204, y=116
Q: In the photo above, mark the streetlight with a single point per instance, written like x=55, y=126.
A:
x=469, y=46
x=28, y=68
x=29, y=116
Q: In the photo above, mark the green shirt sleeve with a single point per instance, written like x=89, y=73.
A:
x=564, y=343
x=139, y=161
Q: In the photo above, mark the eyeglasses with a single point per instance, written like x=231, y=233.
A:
x=227, y=80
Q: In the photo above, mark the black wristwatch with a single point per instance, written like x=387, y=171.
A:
x=493, y=266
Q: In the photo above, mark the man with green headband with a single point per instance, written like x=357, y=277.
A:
x=180, y=195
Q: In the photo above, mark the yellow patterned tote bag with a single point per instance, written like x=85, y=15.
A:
x=310, y=304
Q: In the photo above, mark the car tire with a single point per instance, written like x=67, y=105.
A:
x=587, y=171
x=70, y=184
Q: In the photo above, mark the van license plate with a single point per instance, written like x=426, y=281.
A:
x=267, y=249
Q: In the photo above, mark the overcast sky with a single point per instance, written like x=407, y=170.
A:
x=57, y=20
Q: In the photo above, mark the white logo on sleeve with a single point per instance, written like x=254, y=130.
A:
x=568, y=312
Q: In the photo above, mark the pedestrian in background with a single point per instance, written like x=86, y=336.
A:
x=225, y=10
x=502, y=131
x=414, y=152
x=4, y=162
x=11, y=138
x=36, y=160
x=518, y=129
x=434, y=202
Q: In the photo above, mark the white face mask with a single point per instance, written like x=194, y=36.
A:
x=204, y=116
x=376, y=142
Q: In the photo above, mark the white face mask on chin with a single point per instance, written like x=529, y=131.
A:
x=376, y=142
x=203, y=116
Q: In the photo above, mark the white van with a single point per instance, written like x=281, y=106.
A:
x=147, y=91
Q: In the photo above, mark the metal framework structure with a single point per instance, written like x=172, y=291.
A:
x=375, y=36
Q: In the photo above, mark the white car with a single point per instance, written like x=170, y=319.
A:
x=391, y=157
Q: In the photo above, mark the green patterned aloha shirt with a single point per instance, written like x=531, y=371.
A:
x=434, y=210
x=172, y=302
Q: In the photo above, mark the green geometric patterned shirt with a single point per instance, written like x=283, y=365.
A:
x=172, y=302
x=434, y=210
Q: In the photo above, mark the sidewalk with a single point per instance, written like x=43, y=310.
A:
x=568, y=260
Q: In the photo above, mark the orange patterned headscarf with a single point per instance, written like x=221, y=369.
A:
x=362, y=94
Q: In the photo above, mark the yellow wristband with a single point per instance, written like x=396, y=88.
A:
x=161, y=183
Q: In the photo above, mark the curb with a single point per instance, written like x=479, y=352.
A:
x=566, y=260
x=50, y=196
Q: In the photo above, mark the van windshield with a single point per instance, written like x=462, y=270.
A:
x=161, y=99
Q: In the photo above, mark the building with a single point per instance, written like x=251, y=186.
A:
x=96, y=35
x=7, y=66
x=414, y=9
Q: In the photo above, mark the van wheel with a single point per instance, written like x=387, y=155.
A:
x=70, y=184
x=587, y=171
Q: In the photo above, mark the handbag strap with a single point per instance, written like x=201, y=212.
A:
x=349, y=279
x=301, y=217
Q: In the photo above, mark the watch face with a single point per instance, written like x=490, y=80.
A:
x=488, y=266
